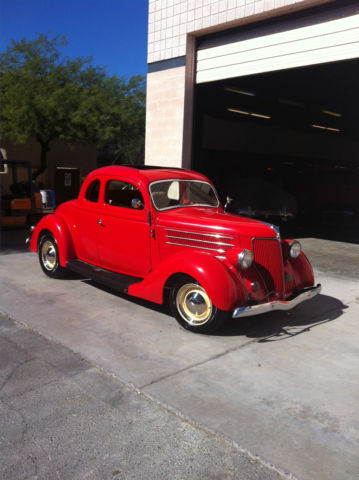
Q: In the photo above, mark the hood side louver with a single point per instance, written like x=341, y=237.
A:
x=204, y=241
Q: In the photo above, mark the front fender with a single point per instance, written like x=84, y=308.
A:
x=300, y=268
x=216, y=277
x=302, y=272
x=56, y=225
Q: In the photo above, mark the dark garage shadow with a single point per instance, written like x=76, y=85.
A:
x=13, y=240
x=347, y=234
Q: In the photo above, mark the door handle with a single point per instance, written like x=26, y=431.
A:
x=99, y=221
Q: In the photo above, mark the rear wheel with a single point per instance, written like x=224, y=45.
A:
x=49, y=256
x=193, y=308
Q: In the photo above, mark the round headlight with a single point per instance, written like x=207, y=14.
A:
x=245, y=259
x=294, y=249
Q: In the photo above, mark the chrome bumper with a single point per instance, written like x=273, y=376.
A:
x=28, y=238
x=277, y=304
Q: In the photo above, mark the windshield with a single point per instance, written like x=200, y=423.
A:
x=168, y=194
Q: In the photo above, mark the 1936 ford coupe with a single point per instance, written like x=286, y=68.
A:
x=159, y=233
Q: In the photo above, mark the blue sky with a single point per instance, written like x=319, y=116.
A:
x=114, y=32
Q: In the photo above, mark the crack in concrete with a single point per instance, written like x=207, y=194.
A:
x=198, y=364
x=250, y=342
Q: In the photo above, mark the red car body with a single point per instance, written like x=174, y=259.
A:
x=153, y=247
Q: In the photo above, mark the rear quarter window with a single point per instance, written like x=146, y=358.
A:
x=93, y=191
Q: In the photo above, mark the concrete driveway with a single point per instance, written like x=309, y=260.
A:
x=283, y=386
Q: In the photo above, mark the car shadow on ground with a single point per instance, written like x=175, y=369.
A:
x=282, y=325
x=268, y=327
x=138, y=301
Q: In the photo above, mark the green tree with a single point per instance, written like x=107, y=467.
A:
x=46, y=96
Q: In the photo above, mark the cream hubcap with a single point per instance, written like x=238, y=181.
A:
x=48, y=255
x=193, y=304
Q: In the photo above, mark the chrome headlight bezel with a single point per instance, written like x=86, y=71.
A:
x=245, y=259
x=295, y=249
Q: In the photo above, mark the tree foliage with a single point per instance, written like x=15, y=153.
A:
x=46, y=96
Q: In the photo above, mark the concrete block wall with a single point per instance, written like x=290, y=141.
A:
x=164, y=117
x=169, y=21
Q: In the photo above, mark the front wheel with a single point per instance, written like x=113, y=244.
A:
x=49, y=257
x=193, y=309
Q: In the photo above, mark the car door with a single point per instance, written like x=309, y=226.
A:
x=84, y=226
x=124, y=231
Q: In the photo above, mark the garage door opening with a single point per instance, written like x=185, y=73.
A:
x=285, y=145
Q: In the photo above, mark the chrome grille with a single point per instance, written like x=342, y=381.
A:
x=204, y=241
x=269, y=264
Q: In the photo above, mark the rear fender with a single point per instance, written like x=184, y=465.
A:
x=57, y=226
x=223, y=286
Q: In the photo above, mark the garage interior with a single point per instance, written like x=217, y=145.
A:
x=284, y=146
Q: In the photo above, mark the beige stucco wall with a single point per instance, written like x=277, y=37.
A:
x=164, y=117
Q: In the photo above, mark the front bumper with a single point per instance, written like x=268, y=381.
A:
x=305, y=294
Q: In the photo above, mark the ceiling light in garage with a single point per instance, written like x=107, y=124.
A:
x=260, y=115
x=333, y=114
x=252, y=114
x=321, y=127
x=234, y=110
x=241, y=92
x=291, y=102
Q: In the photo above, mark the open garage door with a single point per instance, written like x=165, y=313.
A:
x=276, y=123
x=285, y=146
x=320, y=43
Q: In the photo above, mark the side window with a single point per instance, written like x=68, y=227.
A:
x=121, y=194
x=93, y=191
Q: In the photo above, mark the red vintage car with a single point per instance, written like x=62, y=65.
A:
x=161, y=234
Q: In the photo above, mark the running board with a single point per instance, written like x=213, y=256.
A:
x=117, y=281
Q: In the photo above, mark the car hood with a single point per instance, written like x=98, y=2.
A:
x=213, y=221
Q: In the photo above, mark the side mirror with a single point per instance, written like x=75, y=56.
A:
x=137, y=204
x=229, y=200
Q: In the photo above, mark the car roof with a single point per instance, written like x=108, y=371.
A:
x=147, y=173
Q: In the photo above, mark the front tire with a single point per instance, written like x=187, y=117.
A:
x=193, y=309
x=49, y=256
